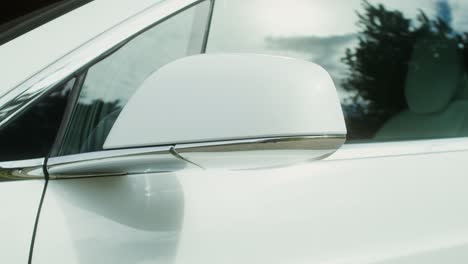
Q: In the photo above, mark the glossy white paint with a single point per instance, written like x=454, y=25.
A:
x=382, y=210
x=20, y=201
x=229, y=96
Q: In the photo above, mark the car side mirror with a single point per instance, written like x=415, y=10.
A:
x=234, y=111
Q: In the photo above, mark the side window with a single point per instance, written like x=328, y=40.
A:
x=32, y=134
x=399, y=66
x=109, y=84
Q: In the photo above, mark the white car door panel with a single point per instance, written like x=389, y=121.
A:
x=126, y=219
x=395, y=209
x=20, y=202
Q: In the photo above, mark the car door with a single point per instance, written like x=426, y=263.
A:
x=375, y=202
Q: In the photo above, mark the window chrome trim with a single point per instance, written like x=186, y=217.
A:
x=171, y=158
x=19, y=98
x=140, y=159
x=31, y=169
x=320, y=142
x=115, y=163
x=98, y=155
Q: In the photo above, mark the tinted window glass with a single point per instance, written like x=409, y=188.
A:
x=32, y=133
x=110, y=83
x=399, y=66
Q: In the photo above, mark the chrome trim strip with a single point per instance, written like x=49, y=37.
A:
x=261, y=153
x=353, y=151
x=322, y=142
x=105, y=154
x=171, y=158
x=22, y=170
x=115, y=163
x=23, y=95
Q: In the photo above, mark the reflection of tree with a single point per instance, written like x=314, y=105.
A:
x=378, y=64
x=96, y=110
x=90, y=125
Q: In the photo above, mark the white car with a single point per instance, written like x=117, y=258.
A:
x=195, y=131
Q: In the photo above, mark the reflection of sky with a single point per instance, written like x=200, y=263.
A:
x=326, y=51
x=117, y=77
x=319, y=31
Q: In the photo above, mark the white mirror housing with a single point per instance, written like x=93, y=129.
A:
x=248, y=102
